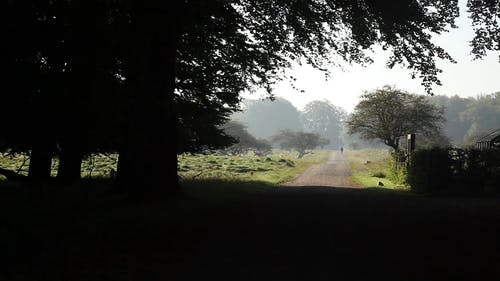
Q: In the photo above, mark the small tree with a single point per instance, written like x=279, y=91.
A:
x=245, y=142
x=299, y=141
x=388, y=113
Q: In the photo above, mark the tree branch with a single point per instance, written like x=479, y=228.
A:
x=11, y=175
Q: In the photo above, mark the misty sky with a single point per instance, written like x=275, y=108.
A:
x=466, y=78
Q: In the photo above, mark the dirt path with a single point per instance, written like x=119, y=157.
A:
x=335, y=172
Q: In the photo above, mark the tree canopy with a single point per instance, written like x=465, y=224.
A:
x=389, y=113
x=159, y=63
x=467, y=118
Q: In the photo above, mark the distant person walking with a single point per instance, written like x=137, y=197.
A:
x=341, y=150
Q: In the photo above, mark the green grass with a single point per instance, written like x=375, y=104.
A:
x=94, y=166
x=276, y=168
x=205, y=179
x=371, y=166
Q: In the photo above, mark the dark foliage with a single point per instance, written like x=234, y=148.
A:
x=454, y=170
x=130, y=75
x=244, y=141
x=429, y=170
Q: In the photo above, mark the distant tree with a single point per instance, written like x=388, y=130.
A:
x=389, y=113
x=266, y=117
x=244, y=141
x=456, y=126
x=483, y=113
x=325, y=119
x=302, y=142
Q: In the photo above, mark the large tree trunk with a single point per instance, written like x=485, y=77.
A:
x=82, y=86
x=70, y=164
x=148, y=159
x=40, y=162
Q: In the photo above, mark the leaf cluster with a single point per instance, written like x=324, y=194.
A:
x=389, y=113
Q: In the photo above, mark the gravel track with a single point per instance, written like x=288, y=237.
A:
x=335, y=172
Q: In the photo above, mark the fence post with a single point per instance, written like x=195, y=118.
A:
x=410, y=147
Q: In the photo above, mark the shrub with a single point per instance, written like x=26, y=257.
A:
x=454, y=170
x=430, y=170
x=477, y=170
x=492, y=180
x=397, y=173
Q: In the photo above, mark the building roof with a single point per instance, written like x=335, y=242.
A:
x=489, y=136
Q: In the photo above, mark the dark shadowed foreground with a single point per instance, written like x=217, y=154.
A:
x=347, y=234
x=285, y=233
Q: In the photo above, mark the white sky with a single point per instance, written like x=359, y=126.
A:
x=466, y=78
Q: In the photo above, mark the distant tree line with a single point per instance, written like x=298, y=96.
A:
x=457, y=120
x=468, y=118
x=298, y=141
x=266, y=119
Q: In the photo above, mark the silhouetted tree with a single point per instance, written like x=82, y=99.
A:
x=62, y=82
x=166, y=45
x=388, y=113
x=485, y=17
x=302, y=142
x=245, y=142
x=275, y=32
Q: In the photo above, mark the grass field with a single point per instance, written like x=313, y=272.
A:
x=95, y=166
x=371, y=166
x=216, y=178
x=278, y=167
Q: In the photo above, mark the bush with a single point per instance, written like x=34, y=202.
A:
x=430, y=170
x=398, y=173
x=454, y=170
x=476, y=170
x=492, y=179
